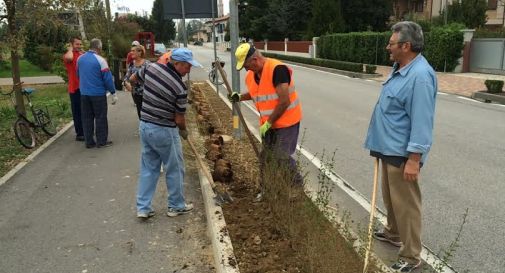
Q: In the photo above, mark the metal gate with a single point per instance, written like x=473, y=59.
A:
x=487, y=55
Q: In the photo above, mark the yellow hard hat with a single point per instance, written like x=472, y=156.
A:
x=243, y=52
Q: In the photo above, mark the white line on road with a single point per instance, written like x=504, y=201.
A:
x=427, y=255
x=442, y=93
x=468, y=99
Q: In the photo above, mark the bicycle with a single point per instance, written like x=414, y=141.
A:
x=24, y=128
x=214, y=76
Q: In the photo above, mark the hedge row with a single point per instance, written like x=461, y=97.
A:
x=347, y=66
x=442, y=45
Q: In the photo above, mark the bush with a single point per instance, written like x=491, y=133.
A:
x=45, y=57
x=494, y=86
x=347, y=66
x=370, y=68
x=486, y=33
x=443, y=46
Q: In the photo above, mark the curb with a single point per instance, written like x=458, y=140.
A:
x=487, y=97
x=30, y=157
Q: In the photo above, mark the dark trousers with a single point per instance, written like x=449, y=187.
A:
x=137, y=99
x=94, y=116
x=281, y=144
x=75, y=105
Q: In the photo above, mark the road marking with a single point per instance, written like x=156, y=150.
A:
x=426, y=254
x=468, y=99
x=442, y=93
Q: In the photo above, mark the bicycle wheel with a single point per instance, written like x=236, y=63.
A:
x=214, y=78
x=24, y=133
x=45, y=122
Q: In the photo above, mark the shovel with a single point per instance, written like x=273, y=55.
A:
x=372, y=215
x=222, y=196
x=239, y=112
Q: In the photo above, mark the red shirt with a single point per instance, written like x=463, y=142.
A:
x=73, y=80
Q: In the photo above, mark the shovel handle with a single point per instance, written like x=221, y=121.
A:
x=202, y=165
x=248, y=132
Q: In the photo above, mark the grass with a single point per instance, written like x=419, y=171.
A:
x=27, y=70
x=55, y=98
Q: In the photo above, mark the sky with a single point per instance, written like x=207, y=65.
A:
x=142, y=6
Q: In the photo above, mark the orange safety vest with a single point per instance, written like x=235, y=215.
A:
x=165, y=58
x=265, y=96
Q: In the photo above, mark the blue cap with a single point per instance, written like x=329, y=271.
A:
x=184, y=55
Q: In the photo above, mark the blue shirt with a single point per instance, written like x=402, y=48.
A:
x=402, y=120
x=95, y=78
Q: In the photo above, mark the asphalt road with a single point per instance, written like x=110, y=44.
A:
x=464, y=168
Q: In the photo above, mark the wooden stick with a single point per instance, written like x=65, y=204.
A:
x=237, y=106
x=372, y=215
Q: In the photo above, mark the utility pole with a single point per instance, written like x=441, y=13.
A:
x=235, y=75
x=109, y=29
x=446, y=8
x=214, y=42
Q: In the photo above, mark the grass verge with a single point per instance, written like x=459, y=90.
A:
x=55, y=98
x=27, y=70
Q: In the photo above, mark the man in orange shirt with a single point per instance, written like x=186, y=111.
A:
x=74, y=50
x=271, y=87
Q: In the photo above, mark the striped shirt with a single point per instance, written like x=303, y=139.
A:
x=164, y=94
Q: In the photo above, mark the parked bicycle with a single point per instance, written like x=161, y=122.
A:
x=214, y=75
x=24, y=127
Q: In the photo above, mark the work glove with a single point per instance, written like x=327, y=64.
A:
x=234, y=97
x=264, y=128
x=183, y=134
x=114, y=99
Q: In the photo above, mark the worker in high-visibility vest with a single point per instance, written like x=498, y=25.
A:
x=271, y=86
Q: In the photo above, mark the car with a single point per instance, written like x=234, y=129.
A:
x=198, y=43
x=159, y=49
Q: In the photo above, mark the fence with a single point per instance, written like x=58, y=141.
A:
x=487, y=55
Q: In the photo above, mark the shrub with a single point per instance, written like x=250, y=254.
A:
x=370, y=68
x=45, y=57
x=347, y=66
x=494, y=86
x=442, y=47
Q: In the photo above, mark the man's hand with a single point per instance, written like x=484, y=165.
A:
x=127, y=86
x=234, y=97
x=183, y=134
x=264, y=128
x=114, y=99
x=411, y=170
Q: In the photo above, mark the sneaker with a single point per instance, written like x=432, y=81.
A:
x=145, y=215
x=79, y=138
x=176, y=212
x=381, y=236
x=404, y=267
x=89, y=146
x=107, y=144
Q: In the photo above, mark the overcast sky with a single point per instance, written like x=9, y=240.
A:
x=142, y=6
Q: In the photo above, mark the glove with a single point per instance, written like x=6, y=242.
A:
x=114, y=99
x=183, y=134
x=264, y=128
x=234, y=97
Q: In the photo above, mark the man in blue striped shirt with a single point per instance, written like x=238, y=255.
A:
x=400, y=135
x=162, y=123
x=95, y=79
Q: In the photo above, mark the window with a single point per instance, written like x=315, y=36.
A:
x=419, y=6
x=492, y=4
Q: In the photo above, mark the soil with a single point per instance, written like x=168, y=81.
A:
x=261, y=243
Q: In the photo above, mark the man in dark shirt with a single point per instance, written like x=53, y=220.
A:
x=162, y=123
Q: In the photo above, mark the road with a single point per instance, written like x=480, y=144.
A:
x=464, y=169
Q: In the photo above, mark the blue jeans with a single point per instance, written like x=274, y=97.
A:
x=160, y=145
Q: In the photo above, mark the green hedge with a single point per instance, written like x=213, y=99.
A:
x=347, y=66
x=443, y=47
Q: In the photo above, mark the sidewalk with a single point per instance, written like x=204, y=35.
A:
x=34, y=80
x=73, y=209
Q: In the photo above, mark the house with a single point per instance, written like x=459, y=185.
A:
x=427, y=9
x=220, y=28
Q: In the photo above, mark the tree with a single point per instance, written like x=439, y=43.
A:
x=251, y=19
x=471, y=13
x=284, y=19
x=163, y=29
x=326, y=18
x=363, y=15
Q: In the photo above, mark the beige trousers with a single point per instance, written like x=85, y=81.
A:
x=403, y=204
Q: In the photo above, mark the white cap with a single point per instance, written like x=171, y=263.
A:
x=135, y=43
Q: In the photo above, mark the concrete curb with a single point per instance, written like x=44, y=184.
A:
x=30, y=157
x=488, y=97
